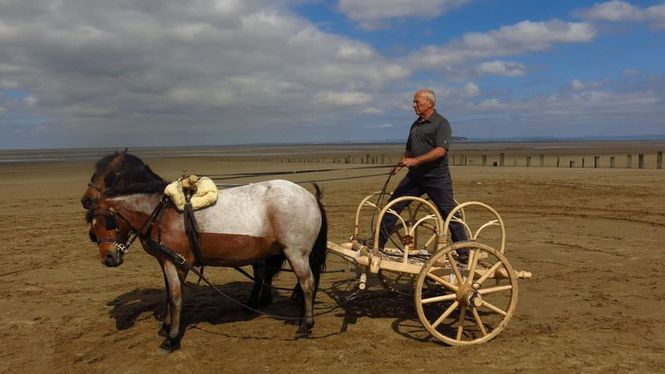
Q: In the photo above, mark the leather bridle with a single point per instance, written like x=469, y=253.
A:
x=121, y=247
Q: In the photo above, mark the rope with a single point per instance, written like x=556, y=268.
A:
x=303, y=182
x=266, y=173
x=381, y=195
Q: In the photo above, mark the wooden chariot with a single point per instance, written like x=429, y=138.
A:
x=458, y=302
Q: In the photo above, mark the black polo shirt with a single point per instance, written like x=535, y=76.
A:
x=426, y=135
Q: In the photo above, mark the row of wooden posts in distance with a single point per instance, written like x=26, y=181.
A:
x=473, y=160
x=463, y=160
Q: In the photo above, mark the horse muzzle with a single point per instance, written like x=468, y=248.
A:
x=88, y=202
x=112, y=259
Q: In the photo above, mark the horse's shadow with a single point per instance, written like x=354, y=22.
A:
x=201, y=304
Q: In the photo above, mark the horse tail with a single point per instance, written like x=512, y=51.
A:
x=317, y=258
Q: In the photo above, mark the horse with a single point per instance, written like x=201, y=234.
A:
x=249, y=224
x=118, y=172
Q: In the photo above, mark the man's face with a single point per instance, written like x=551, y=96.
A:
x=421, y=104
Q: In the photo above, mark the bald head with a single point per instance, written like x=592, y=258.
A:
x=429, y=94
x=424, y=102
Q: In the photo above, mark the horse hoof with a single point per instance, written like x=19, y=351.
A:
x=169, y=345
x=163, y=331
x=303, y=333
x=265, y=300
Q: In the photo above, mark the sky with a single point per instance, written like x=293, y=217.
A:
x=128, y=73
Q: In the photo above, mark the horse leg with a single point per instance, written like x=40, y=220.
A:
x=174, y=278
x=264, y=272
x=300, y=266
x=165, y=325
x=273, y=266
x=259, y=268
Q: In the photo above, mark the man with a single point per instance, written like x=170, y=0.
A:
x=426, y=156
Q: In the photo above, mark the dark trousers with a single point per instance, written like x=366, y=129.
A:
x=440, y=191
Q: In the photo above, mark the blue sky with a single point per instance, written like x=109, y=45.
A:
x=91, y=73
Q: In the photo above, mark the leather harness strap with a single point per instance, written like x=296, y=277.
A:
x=192, y=231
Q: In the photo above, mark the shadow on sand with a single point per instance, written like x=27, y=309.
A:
x=377, y=302
x=202, y=304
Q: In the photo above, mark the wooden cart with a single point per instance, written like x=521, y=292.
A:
x=458, y=302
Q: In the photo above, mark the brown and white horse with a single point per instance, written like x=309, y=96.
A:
x=248, y=224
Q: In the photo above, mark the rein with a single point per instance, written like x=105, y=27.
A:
x=382, y=194
x=269, y=173
x=133, y=232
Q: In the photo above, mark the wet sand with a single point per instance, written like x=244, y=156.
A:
x=593, y=239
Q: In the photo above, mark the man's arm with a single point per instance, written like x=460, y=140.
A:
x=432, y=155
x=400, y=164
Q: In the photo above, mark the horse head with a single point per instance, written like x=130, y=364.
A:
x=107, y=172
x=110, y=231
x=120, y=173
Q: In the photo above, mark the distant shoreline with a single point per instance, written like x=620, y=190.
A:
x=456, y=140
x=467, y=152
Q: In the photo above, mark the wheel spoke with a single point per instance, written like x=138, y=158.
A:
x=486, y=291
x=489, y=272
x=475, y=255
x=453, y=265
x=447, y=284
x=479, y=322
x=494, y=308
x=460, y=326
x=437, y=299
x=445, y=314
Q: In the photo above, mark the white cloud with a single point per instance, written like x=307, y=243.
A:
x=207, y=63
x=372, y=13
x=628, y=73
x=580, y=101
x=381, y=9
x=519, y=38
x=502, y=68
x=621, y=11
x=381, y=126
x=470, y=90
x=491, y=103
x=614, y=11
x=576, y=85
x=233, y=71
x=342, y=98
x=30, y=101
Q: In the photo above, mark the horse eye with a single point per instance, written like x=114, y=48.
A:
x=109, y=223
x=109, y=179
x=93, y=237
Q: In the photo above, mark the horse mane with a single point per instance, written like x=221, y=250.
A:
x=126, y=174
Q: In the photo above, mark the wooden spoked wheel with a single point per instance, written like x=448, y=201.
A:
x=415, y=233
x=471, y=303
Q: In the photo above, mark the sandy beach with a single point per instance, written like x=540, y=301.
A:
x=592, y=237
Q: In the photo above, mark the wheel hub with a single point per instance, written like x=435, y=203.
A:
x=468, y=295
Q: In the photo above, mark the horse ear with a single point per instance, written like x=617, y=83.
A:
x=125, y=151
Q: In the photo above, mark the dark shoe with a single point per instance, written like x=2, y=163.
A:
x=463, y=256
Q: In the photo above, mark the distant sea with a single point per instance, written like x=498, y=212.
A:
x=277, y=150
x=94, y=154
